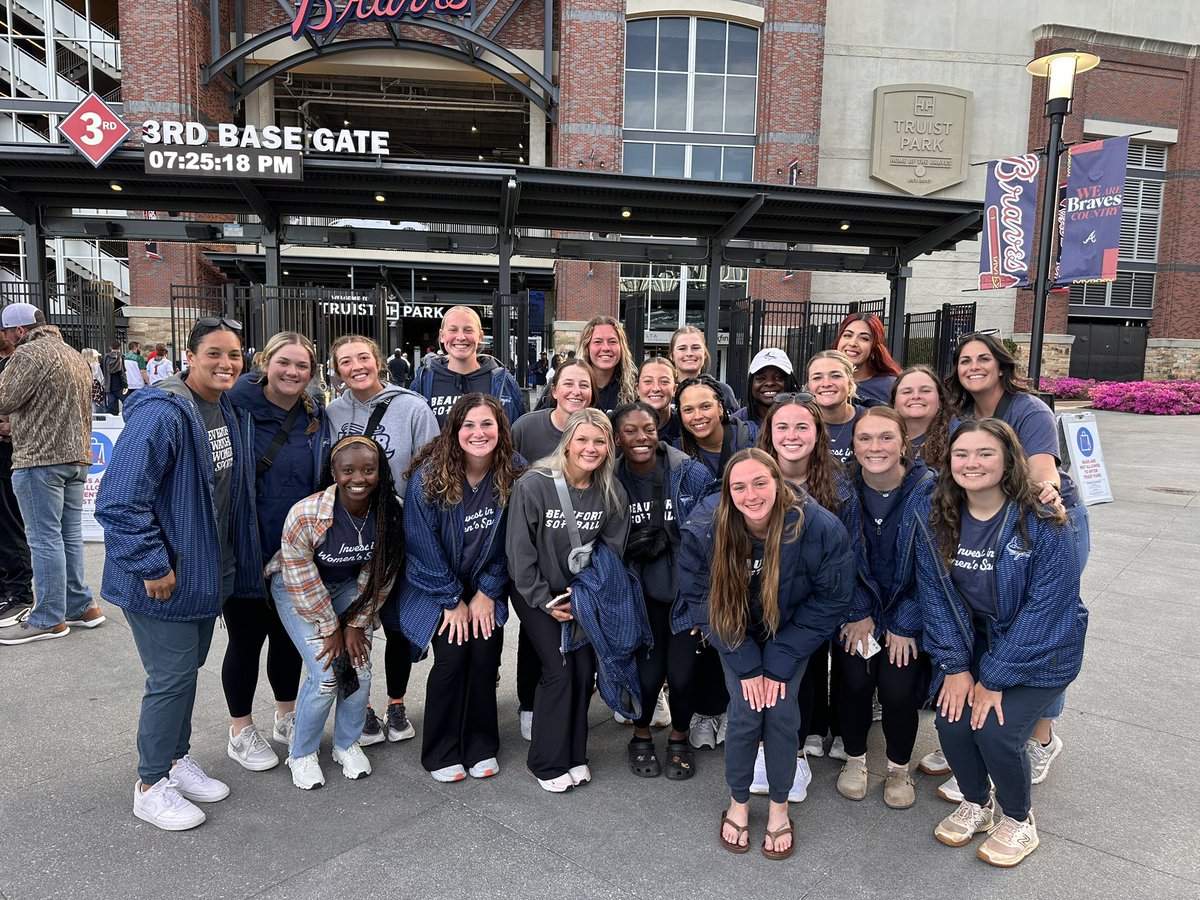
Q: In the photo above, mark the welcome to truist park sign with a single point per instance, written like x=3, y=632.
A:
x=322, y=16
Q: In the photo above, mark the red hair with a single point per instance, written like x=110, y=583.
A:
x=880, y=360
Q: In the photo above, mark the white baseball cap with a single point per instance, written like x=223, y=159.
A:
x=771, y=356
x=18, y=314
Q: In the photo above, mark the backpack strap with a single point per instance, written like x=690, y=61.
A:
x=268, y=458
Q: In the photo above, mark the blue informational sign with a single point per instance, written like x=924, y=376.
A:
x=1087, y=445
x=101, y=452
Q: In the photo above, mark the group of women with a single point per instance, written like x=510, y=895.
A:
x=767, y=571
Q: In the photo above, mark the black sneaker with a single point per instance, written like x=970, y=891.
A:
x=13, y=610
x=372, y=732
x=398, y=726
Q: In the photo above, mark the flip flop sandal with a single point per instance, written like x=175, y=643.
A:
x=643, y=761
x=789, y=828
x=734, y=846
x=681, y=760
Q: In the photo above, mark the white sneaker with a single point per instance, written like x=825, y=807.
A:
x=703, y=732
x=485, y=768
x=284, y=728
x=1009, y=842
x=191, y=781
x=662, y=712
x=449, y=774
x=250, y=750
x=958, y=828
x=580, y=775
x=620, y=719
x=526, y=717
x=721, y=721
x=949, y=791
x=164, y=807
x=759, y=784
x=801, y=782
x=837, y=750
x=814, y=745
x=934, y=763
x=558, y=785
x=1040, y=758
x=306, y=772
x=354, y=762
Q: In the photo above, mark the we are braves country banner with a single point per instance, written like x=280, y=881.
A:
x=1010, y=208
x=1091, y=208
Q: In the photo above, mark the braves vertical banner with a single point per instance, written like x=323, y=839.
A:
x=1010, y=209
x=1092, y=205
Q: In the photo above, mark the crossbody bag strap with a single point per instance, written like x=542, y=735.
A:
x=1006, y=400
x=268, y=458
x=564, y=500
x=660, y=492
x=376, y=417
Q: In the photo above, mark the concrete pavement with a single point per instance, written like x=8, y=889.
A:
x=1113, y=816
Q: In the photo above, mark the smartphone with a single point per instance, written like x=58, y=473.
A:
x=555, y=602
x=873, y=647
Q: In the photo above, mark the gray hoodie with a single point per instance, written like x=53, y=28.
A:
x=406, y=427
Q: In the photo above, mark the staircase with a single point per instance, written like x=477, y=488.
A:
x=90, y=41
x=33, y=79
x=92, y=263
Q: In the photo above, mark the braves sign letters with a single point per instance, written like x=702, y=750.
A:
x=1010, y=205
x=1091, y=211
x=321, y=16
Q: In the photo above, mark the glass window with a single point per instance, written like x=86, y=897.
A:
x=641, y=39
x=669, y=160
x=739, y=164
x=708, y=112
x=639, y=159
x=673, y=44
x=639, y=99
x=706, y=163
x=672, y=102
x=743, y=50
x=740, y=97
x=710, y=46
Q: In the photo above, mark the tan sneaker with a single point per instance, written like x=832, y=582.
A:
x=958, y=828
x=898, y=791
x=1009, y=842
x=852, y=782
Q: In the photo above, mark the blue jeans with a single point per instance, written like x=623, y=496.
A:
x=776, y=726
x=172, y=654
x=319, y=689
x=51, y=501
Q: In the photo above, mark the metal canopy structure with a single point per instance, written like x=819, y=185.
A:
x=551, y=213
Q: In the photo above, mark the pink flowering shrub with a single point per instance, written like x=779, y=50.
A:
x=1068, y=388
x=1155, y=398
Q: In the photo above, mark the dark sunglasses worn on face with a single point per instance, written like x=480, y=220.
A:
x=797, y=397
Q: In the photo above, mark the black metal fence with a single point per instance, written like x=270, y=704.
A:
x=85, y=311
x=929, y=337
x=510, y=333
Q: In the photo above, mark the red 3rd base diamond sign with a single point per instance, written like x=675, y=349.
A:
x=94, y=129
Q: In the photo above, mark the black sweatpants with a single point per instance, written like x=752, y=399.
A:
x=673, y=657
x=709, y=694
x=858, y=680
x=16, y=568
x=251, y=621
x=529, y=671
x=460, y=702
x=560, y=703
x=823, y=718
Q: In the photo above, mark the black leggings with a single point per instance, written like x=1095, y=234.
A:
x=821, y=718
x=858, y=680
x=673, y=657
x=710, y=694
x=250, y=621
x=397, y=662
x=460, y=702
x=529, y=671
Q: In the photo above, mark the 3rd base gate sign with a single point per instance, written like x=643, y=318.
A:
x=94, y=129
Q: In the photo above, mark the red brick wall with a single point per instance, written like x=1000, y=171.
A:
x=1154, y=90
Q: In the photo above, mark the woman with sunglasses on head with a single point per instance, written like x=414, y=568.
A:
x=464, y=370
x=770, y=577
x=770, y=374
x=281, y=428
x=656, y=382
x=929, y=417
x=174, y=507
x=889, y=487
x=663, y=484
x=830, y=377
x=455, y=593
x=401, y=422
x=690, y=355
x=861, y=338
x=340, y=552
x=998, y=583
x=984, y=384
x=543, y=559
x=535, y=436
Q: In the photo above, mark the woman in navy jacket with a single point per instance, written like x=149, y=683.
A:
x=455, y=511
x=887, y=485
x=765, y=626
x=998, y=581
x=285, y=466
x=173, y=505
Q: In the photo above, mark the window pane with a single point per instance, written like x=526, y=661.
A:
x=640, y=38
x=710, y=103
x=639, y=99
x=739, y=164
x=672, y=102
x=706, y=163
x=668, y=160
x=710, y=46
x=743, y=50
x=673, y=44
x=740, y=99
x=639, y=159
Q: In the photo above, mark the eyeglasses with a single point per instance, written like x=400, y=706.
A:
x=797, y=397
x=217, y=322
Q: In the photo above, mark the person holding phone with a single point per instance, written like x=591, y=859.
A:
x=771, y=576
x=545, y=552
x=340, y=551
x=998, y=582
x=455, y=591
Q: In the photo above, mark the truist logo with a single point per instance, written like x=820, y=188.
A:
x=321, y=16
x=1015, y=175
